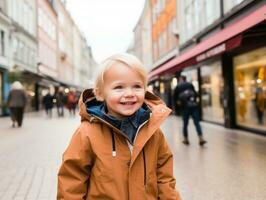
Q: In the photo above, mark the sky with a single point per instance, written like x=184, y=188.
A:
x=107, y=24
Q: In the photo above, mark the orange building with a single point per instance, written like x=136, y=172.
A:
x=164, y=26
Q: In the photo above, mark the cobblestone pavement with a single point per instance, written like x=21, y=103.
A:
x=231, y=166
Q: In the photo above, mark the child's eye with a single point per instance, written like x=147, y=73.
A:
x=138, y=86
x=118, y=87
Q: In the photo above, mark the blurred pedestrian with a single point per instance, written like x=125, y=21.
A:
x=48, y=103
x=17, y=100
x=71, y=102
x=186, y=98
x=60, y=101
x=119, y=151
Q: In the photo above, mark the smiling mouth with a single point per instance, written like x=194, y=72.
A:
x=128, y=103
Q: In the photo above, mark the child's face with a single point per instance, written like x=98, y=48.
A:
x=123, y=90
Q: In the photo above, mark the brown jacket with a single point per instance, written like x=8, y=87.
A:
x=90, y=170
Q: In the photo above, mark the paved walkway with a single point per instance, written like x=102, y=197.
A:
x=231, y=166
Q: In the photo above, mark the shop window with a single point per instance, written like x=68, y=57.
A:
x=250, y=88
x=212, y=92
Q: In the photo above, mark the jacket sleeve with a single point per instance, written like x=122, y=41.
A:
x=74, y=173
x=165, y=178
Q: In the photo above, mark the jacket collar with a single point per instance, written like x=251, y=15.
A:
x=159, y=113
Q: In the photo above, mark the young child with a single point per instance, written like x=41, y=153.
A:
x=118, y=151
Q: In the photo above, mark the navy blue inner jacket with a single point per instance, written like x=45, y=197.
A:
x=128, y=125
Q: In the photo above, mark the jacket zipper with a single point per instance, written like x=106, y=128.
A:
x=139, y=130
x=121, y=133
x=130, y=145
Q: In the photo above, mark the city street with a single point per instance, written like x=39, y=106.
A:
x=231, y=166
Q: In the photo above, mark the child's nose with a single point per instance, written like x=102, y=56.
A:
x=129, y=92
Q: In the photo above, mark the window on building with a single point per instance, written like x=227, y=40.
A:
x=19, y=11
x=19, y=50
x=164, y=42
x=32, y=21
x=229, y=4
x=61, y=41
x=197, y=15
x=14, y=9
x=61, y=18
x=2, y=43
x=188, y=22
x=25, y=13
x=155, y=50
x=15, y=47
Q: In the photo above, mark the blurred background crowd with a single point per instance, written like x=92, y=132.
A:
x=214, y=43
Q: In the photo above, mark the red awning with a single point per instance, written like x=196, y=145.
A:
x=230, y=36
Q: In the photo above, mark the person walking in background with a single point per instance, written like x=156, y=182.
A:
x=48, y=103
x=119, y=151
x=186, y=98
x=60, y=102
x=16, y=102
x=71, y=102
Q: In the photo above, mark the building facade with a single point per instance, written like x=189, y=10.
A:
x=47, y=39
x=41, y=46
x=220, y=55
x=23, y=43
x=164, y=26
x=165, y=41
x=88, y=66
x=5, y=23
x=142, y=45
x=65, y=44
x=47, y=61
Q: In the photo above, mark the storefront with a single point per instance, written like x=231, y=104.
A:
x=250, y=88
x=228, y=70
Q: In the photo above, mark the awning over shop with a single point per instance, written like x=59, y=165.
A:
x=224, y=40
x=49, y=80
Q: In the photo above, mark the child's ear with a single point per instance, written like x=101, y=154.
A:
x=98, y=94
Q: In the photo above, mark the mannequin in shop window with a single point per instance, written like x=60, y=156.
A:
x=241, y=96
x=260, y=104
x=259, y=100
x=242, y=104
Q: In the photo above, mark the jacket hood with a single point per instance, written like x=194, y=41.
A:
x=159, y=111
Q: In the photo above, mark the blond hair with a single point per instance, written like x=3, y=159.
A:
x=128, y=59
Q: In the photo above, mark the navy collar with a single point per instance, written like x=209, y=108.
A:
x=126, y=125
